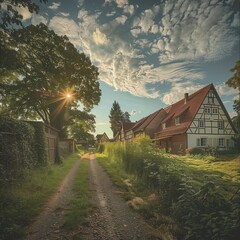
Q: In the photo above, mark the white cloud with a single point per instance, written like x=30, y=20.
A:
x=133, y=112
x=66, y=26
x=177, y=92
x=121, y=20
x=198, y=30
x=146, y=21
x=64, y=14
x=24, y=12
x=55, y=6
x=224, y=90
x=99, y=37
x=121, y=3
x=37, y=19
x=129, y=9
x=153, y=50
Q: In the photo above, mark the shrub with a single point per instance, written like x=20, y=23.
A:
x=206, y=214
x=195, y=151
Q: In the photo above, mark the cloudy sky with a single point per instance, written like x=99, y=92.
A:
x=149, y=53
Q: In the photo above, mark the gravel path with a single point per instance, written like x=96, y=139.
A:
x=111, y=217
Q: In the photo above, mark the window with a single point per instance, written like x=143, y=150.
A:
x=164, y=125
x=210, y=99
x=221, y=124
x=214, y=110
x=207, y=110
x=221, y=142
x=227, y=143
x=177, y=120
x=202, y=142
x=201, y=123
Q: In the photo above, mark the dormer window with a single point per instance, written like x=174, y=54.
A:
x=210, y=97
x=214, y=110
x=201, y=123
x=221, y=124
x=207, y=110
x=177, y=120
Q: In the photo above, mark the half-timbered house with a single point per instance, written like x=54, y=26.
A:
x=198, y=120
x=100, y=138
x=146, y=126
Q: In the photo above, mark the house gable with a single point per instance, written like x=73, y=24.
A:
x=212, y=117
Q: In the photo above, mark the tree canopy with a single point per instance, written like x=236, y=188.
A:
x=50, y=78
x=117, y=117
x=234, y=82
x=10, y=15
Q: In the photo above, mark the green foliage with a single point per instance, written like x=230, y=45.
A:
x=16, y=139
x=43, y=78
x=100, y=148
x=21, y=203
x=11, y=16
x=81, y=134
x=79, y=205
x=117, y=117
x=206, y=214
x=39, y=144
x=202, y=209
x=234, y=82
x=195, y=151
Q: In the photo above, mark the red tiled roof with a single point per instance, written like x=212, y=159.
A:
x=127, y=125
x=190, y=108
x=147, y=120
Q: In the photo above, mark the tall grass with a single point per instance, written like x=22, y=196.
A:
x=192, y=196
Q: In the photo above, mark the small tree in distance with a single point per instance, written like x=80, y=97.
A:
x=117, y=117
x=234, y=82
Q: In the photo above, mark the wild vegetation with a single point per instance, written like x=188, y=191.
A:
x=197, y=196
x=22, y=201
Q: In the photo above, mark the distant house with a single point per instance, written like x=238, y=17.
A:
x=100, y=138
x=198, y=120
x=146, y=126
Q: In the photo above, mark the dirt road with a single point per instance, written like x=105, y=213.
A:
x=110, y=218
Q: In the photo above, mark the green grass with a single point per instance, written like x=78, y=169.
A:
x=80, y=204
x=22, y=201
x=224, y=172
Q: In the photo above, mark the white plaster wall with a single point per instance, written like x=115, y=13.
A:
x=212, y=139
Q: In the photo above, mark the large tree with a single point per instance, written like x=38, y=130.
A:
x=117, y=117
x=234, y=82
x=51, y=78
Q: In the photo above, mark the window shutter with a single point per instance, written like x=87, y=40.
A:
x=198, y=142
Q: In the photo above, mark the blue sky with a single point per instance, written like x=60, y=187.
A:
x=149, y=53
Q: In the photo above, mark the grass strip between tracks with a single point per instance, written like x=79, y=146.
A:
x=80, y=204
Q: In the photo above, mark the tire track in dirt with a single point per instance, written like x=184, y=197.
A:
x=48, y=224
x=111, y=218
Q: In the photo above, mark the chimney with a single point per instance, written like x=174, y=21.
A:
x=186, y=97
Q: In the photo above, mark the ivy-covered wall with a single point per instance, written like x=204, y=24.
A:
x=22, y=144
x=16, y=139
x=39, y=145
